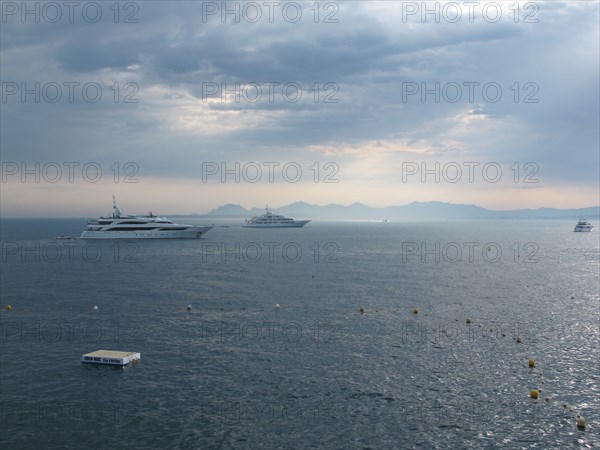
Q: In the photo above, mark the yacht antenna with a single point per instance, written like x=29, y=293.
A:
x=117, y=212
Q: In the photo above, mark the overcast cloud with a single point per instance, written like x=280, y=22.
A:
x=365, y=57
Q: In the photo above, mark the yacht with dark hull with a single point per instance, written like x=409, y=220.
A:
x=129, y=226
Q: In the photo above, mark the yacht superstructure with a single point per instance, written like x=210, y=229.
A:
x=583, y=226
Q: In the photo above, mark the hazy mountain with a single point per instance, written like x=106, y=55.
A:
x=229, y=210
x=415, y=210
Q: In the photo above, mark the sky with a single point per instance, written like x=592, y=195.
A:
x=179, y=107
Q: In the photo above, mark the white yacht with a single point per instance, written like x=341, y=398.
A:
x=270, y=220
x=129, y=226
x=583, y=225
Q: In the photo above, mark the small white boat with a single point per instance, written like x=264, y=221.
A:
x=583, y=226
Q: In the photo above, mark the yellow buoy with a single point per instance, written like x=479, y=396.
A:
x=580, y=421
x=468, y=320
x=534, y=393
x=531, y=362
x=8, y=307
x=416, y=311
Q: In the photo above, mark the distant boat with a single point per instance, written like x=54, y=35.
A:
x=63, y=237
x=270, y=220
x=129, y=226
x=386, y=220
x=583, y=226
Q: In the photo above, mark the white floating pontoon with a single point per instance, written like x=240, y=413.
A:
x=110, y=357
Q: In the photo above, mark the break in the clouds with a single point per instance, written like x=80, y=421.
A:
x=338, y=82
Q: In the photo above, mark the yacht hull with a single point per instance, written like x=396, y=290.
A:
x=190, y=233
x=295, y=224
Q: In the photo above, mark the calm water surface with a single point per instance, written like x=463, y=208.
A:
x=237, y=372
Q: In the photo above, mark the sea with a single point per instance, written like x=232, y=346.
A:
x=338, y=335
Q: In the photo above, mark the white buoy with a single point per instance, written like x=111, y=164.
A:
x=95, y=308
x=277, y=305
x=580, y=421
x=188, y=307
